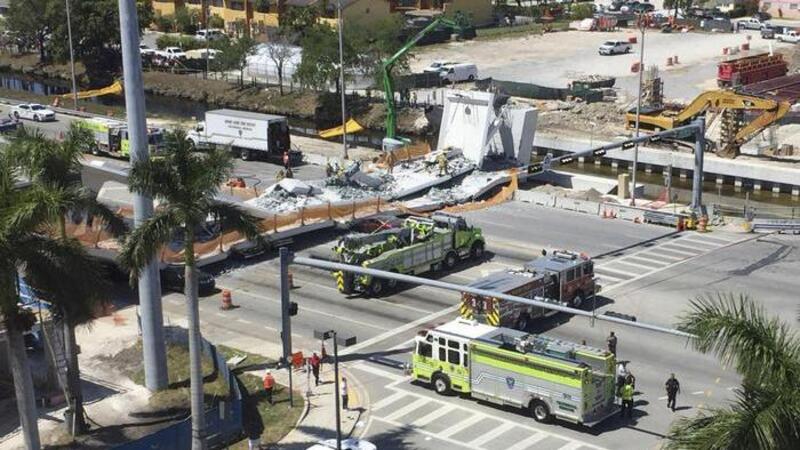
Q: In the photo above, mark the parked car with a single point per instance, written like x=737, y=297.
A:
x=459, y=72
x=34, y=111
x=627, y=7
x=642, y=8
x=772, y=31
x=212, y=34
x=615, y=6
x=752, y=23
x=145, y=50
x=436, y=66
x=615, y=47
x=172, y=53
x=789, y=35
x=347, y=444
x=174, y=279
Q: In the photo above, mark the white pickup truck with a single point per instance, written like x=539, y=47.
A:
x=789, y=35
x=171, y=53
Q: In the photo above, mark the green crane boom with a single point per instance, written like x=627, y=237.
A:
x=388, y=64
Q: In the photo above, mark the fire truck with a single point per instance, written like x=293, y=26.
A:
x=548, y=377
x=562, y=277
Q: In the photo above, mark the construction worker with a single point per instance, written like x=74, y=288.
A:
x=286, y=160
x=279, y=176
x=442, y=161
x=345, y=392
x=673, y=389
x=622, y=375
x=269, y=385
x=328, y=169
x=627, y=400
x=612, y=343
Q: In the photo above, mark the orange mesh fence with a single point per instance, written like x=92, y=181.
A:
x=405, y=153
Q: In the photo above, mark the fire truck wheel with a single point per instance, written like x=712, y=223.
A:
x=476, y=252
x=540, y=411
x=245, y=155
x=577, y=301
x=441, y=384
x=376, y=287
x=450, y=260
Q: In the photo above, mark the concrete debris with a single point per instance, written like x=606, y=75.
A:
x=602, y=119
x=590, y=194
x=295, y=187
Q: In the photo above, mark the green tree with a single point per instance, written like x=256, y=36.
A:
x=298, y=20
x=279, y=51
x=319, y=65
x=32, y=29
x=582, y=11
x=216, y=21
x=369, y=46
x=766, y=353
x=56, y=169
x=50, y=266
x=233, y=54
x=186, y=184
x=186, y=20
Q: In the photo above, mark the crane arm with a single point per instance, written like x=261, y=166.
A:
x=724, y=99
x=388, y=64
x=767, y=118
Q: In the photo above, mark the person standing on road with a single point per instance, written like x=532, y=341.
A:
x=673, y=389
x=315, y=363
x=612, y=343
x=344, y=394
x=286, y=160
x=269, y=385
x=627, y=400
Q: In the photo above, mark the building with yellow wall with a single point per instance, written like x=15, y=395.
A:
x=359, y=12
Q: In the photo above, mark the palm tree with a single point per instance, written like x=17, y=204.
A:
x=49, y=267
x=186, y=184
x=56, y=169
x=766, y=353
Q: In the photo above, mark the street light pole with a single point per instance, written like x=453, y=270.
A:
x=336, y=391
x=205, y=24
x=340, y=26
x=154, y=351
x=71, y=59
x=642, y=26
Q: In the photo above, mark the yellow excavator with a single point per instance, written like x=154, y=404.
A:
x=729, y=104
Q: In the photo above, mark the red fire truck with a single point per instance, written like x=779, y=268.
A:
x=562, y=277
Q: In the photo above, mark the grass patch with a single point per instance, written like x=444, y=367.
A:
x=176, y=396
x=488, y=34
x=253, y=359
x=274, y=421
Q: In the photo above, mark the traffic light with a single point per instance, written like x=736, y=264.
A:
x=292, y=308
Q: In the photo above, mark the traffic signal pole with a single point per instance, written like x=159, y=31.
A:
x=286, y=322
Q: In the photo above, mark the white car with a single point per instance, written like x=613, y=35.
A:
x=459, y=72
x=752, y=23
x=33, y=111
x=615, y=47
x=789, y=36
x=144, y=50
x=212, y=34
x=173, y=53
x=347, y=444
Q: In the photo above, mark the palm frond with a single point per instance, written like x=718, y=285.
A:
x=232, y=217
x=40, y=205
x=142, y=244
x=738, y=332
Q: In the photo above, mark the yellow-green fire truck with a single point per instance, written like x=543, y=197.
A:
x=548, y=377
x=111, y=137
x=420, y=245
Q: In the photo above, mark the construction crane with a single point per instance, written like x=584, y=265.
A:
x=728, y=104
x=388, y=64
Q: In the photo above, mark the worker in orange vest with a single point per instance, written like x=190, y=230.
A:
x=269, y=385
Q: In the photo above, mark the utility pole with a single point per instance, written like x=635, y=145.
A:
x=286, y=322
x=336, y=390
x=642, y=26
x=699, y=148
x=340, y=26
x=205, y=25
x=72, y=59
x=155, y=358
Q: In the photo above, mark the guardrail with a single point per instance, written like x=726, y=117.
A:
x=779, y=225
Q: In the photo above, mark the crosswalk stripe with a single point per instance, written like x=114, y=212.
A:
x=694, y=241
x=488, y=436
x=571, y=446
x=653, y=263
x=633, y=264
x=428, y=418
x=716, y=238
x=528, y=442
x=462, y=425
x=406, y=409
x=621, y=272
x=658, y=254
x=386, y=401
x=691, y=250
x=677, y=251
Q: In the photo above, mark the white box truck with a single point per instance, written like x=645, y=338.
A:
x=249, y=135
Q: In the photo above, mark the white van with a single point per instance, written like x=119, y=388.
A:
x=212, y=34
x=459, y=72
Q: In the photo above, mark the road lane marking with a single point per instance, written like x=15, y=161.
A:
x=663, y=398
x=602, y=269
x=654, y=264
x=528, y=442
x=492, y=434
x=461, y=426
x=430, y=417
x=658, y=254
x=571, y=446
x=698, y=392
x=633, y=264
x=406, y=409
x=400, y=329
x=693, y=241
x=306, y=308
x=387, y=401
x=688, y=249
